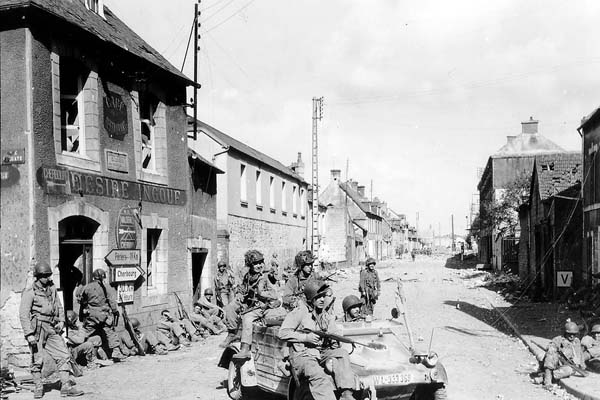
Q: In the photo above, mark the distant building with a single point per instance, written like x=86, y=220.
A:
x=262, y=204
x=590, y=133
x=94, y=159
x=551, y=223
x=512, y=163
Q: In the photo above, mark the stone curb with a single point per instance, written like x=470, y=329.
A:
x=571, y=389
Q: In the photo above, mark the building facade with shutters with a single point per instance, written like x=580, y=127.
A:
x=94, y=144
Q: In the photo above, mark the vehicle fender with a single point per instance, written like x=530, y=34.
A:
x=440, y=374
x=227, y=354
x=248, y=373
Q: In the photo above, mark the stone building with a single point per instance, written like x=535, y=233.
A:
x=510, y=165
x=93, y=130
x=262, y=204
x=551, y=224
x=590, y=133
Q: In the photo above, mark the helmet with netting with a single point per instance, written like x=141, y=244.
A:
x=252, y=257
x=303, y=257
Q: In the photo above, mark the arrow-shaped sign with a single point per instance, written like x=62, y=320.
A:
x=126, y=274
x=123, y=257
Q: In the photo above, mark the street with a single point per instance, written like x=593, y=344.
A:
x=481, y=361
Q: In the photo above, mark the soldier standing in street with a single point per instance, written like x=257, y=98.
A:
x=369, y=285
x=591, y=348
x=42, y=320
x=259, y=296
x=224, y=284
x=294, y=287
x=352, y=307
x=309, y=352
x=101, y=313
x=568, y=345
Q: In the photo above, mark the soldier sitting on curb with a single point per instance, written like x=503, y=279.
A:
x=83, y=351
x=567, y=345
x=352, y=307
x=591, y=348
x=205, y=316
x=178, y=332
x=151, y=343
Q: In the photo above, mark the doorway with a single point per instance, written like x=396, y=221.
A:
x=76, y=254
x=198, y=261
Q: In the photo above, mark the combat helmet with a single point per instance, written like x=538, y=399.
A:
x=135, y=323
x=313, y=289
x=595, y=328
x=351, y=301
x=303, y=257
x=71, y=317
x=208, y=291
x=41, y=268
x=370, y=261
x=221, y=264
x=98, y=274
x=253, y=257
x=571, y=327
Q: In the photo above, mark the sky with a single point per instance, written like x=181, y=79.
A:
x=417, y=94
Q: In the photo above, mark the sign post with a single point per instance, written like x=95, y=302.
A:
x=125, y=269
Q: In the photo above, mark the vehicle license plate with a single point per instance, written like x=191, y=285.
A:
x=392, y=379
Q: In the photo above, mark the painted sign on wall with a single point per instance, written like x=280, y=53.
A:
x=117, y=161
x=126, y=228
x=115, y=115
x=125, y=292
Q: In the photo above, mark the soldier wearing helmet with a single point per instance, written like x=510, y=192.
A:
x=294, y=287
x=309, y=352
x=100, y=310
x=369, y=285
x=42, y=319
x=591, y=348
x=224, y=283
x=568, y=345
x=352, y=306
x=152, y=342
x=207, y=314
x=259, y=296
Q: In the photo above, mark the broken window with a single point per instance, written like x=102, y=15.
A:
x=152, y=238
x=147, y=108
x=72, y=127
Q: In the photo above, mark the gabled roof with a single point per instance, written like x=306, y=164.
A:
x=594, y=117
x=357, y=199
x=527, y=144
x=240, y=147
x=109, y=29
x=557, y=172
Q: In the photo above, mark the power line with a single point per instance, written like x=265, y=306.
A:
x=188, y=43
x=218, y=11
x=228, y=18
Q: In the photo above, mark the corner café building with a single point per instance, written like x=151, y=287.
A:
x=94, y=158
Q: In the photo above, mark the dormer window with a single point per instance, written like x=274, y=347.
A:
x=96, y=6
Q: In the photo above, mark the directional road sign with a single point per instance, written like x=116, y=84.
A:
x=126, y=274
x=123, y=257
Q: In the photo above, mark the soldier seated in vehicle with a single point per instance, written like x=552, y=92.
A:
x=310, y=355
x=83, y=350
x=259, y=297
x=352, y=307
x=151, y=342
x=294, y=287
x=567, y=345
x=591, y=348
x=178, y=332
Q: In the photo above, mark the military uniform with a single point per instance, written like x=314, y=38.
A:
x=258, y=292
x=369, y=287
x=591, y=352
x=98, y=306
x=294, y=288
x=83, y=349
x=224, y=284
x=177, y=331
x=572, y=351
x=307, y=359
x=151, y=342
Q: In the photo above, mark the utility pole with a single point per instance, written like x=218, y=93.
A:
x=317, y=106
x=439, y=234
x=453, y=243
x=196, y=50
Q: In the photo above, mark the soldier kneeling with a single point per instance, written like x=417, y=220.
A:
x=568, y=345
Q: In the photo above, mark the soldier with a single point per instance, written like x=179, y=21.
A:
x=591, y=348
x=100, y=311
x=42, y=320
x=150, y=342
x=369, y=285
x=309, y=352
x=224, y=284
x=259, y=296
x=567, y=345
x=206, y=314
x=83, y=350
x=178, y=332
x=352, y=307
x=294, y=287
x=275, y=266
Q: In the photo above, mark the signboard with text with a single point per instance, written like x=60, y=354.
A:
x=117, y=161
x=564, y=278
x=123, y=257
x=125, y=292
x=125, y=274
x=126, y=228
x=115, y=115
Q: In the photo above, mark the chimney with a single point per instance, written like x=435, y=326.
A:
x=361, y=191
x=299, y=165
x=529, y=127
x=335, y=175
x=353, y=185
x=510, y=139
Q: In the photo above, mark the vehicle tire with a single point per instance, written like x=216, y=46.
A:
x=430, y=392
x=440, y=393
x=234, y=382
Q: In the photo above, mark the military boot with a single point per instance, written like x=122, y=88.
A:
x=38, y=391
x=244, y=353
x=347, y=395
x=184, y=341
x=67, y=389
x=547, y=377
x=117, y=355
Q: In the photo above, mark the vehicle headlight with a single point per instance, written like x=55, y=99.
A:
x=431, y=360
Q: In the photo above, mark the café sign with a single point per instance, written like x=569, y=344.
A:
x=56, y=180
x=115, y=115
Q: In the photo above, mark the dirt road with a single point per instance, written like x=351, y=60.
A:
x=482, y=362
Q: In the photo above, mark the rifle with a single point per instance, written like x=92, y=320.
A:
x=330, y=305
x=183, y=313
x=328, y=277
x=563, y=358
x=342, y=339
x=130, y=329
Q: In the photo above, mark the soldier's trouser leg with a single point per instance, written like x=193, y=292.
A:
x=342, y=371
x=149, y=341
x=563, y=372
x=111, y=337
x=54, y=345
x=320, y=384
x=247, y=322
x=127, y=345
x=188, y=326
x=551, y=359
x=84, y=351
